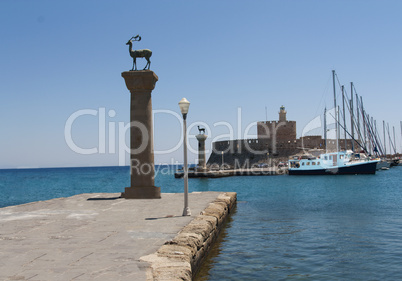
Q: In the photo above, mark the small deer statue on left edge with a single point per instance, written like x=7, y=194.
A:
x=201, y=130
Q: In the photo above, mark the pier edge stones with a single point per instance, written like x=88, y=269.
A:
x=142, y=168
x=181, y=258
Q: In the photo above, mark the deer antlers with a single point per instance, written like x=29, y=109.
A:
x=136, y=38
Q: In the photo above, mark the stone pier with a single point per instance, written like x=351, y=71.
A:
x=96, y=237
x=140, y=84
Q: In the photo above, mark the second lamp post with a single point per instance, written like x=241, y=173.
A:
x=184, y=105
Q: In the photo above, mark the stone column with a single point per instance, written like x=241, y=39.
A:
x=140, y=84
x=201, y=151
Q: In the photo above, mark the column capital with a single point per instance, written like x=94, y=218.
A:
x=142, y=80
x=201, y=137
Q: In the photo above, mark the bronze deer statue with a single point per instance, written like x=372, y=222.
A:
x=144, y=53
x=201, y=130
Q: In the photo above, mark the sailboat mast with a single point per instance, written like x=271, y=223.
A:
x=351, y=116
x=369, y=134
x=393, y=128
x=336, y=121
x=358, y=116
x=364, y=121
x=391, y=144
x=385, y=146
x=377, y=138
x=344, y=116
x=338, y=136
x=372, y=135
x=325, y=128
x=389, y=140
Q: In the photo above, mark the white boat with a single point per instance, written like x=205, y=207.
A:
x=334, y=163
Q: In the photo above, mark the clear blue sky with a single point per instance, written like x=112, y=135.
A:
x=59, y=57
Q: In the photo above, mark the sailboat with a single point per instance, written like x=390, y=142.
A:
x=333, y=163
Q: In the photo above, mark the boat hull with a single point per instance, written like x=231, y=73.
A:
x=383, y=164
x=361, y=168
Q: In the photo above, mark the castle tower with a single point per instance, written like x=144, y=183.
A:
x=282, y=132
x=282, y=114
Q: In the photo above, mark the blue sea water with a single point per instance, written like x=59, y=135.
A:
x=284, y=227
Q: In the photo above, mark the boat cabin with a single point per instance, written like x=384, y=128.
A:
x=326, y=160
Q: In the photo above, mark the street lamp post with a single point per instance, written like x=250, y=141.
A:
x=184, y=104
x=222, y=161
x=268, y=159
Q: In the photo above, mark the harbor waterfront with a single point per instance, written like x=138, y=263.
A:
x=284, y=228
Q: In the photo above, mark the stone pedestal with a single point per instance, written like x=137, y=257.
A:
x=201, y=151
x=140, y=84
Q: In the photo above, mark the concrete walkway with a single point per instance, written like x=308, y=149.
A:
x=90, y=236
